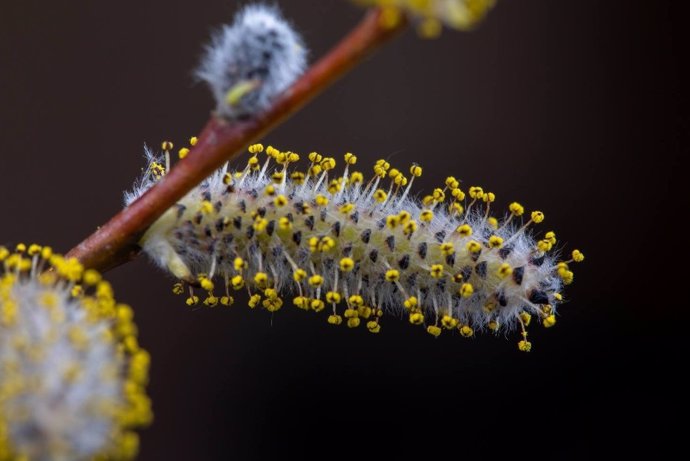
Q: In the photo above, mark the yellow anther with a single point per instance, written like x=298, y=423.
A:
x=473, y=246
x=292, y=157
x=316, y=280
x=465, y=230
x=257, y=148
x=315, y=157
x=411, y=302
x=449, y=322
x=355, y=300
x=551, y=237
x=426, y=216
x=239, y=264
x=380, y=195
x=404, y=216
x=373, y=326
x=516, y=209
x=167, y=146
x=321, y=200
x=227, y=179
x=476, y=192
x=392, y=221
x=457, y=194
x=270, y=190
x=253, y=163
x=433, y=330
x=504, y=270
x=393, y=172
x=313, y=244
x=46, y=253
x=537, y=216
x=438, y=195
x=526, y=318
x=466, y=290
x=277, y=177
x=272, y=152
x=333, y=297
x=447, y=248
x=400, y=180
x=299, y=275
x=91, y=277
x=353, y=322
x=206, y=207
x=458, y=277
x=578, y=256
x=334, y=319
x=428, y=200
x=525, y=346
x=350, y=158
x=549, y=321
x=272, y=304
x=260, y=224
x=34, y=249
x=211, y=300
x=254, y=301
x=436, y=271
x=356, y=177
x=544, y=245
x=347, y=208
x=317, y=305
x=326, y=244
x=261, y=279
x=410, y=227
x=558, y=296
x=301, y=301
x=328, y=163
x=364, y=312
x=284, y=224
x=452, y=183
x=297, y=177
x=206, y=284
x=178, y=288
x=347, y=264
x=466, y=331
x=416, y=170
x=494, y=325
x=392, y=275
x=495, y=241
x=416, y=318
x=227, y=300
x=182, y=153
x=489, y=197
x=280, y=201
x=193, y=140
x=192, y=300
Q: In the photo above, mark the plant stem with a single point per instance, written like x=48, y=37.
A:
x=116, y=242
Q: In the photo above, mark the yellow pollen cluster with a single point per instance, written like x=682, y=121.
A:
x=431, y=15
x=73, y=375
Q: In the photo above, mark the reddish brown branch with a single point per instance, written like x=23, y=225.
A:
x=116, y=242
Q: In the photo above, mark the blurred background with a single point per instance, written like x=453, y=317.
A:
x=570, y=107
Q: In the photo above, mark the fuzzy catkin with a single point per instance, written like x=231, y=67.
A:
x=249, y=62
x=329, y=239
x=72, y=374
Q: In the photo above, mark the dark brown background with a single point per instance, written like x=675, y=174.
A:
x=573, y=107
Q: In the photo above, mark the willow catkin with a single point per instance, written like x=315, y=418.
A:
x=327, y=240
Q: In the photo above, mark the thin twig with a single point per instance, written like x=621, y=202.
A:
x=116, y=242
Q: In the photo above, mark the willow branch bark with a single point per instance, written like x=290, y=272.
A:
x=115, y=242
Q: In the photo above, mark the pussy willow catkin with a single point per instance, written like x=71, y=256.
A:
x=72, y=375
x=357, y=247
x=431, y=15
x=251, y=61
